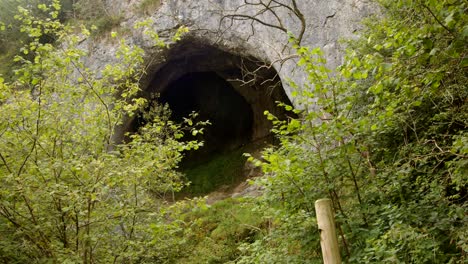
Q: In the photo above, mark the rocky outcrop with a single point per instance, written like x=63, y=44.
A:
x=244, y=42
x=246, y=30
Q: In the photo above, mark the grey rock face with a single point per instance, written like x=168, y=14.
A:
x=255, y=30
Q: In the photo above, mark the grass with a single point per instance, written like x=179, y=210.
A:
x=223, y=169
x=149, y=6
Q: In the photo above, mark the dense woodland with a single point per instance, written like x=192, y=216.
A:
x=385, y=138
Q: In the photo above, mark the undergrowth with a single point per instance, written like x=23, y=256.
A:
x=195, y=232
x=223, y=169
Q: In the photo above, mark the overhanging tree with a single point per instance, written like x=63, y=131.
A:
x=64, y=196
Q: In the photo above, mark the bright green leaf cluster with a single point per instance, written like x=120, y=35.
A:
x=384, y=137
x=68, y=194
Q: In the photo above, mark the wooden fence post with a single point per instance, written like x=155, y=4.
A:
x=326, y=225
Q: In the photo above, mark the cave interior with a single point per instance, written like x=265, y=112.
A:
x=229, y=90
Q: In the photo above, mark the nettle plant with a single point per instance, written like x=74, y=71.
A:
x=65, y=196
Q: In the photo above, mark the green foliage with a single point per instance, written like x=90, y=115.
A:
x=11, y=37
x=384, y=138
x=288, y=238
x=66, y=194
x=97, y=15
x=195, y=232
x=222, y=169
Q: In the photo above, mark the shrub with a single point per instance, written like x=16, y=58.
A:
x=384, y=137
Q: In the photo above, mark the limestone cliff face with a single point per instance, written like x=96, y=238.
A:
x=244, y=42
x=239, y=28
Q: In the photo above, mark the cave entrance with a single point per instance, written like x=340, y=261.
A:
x=214, y=99
x=230, y=91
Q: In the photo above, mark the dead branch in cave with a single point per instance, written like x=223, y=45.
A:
x=261, y=9
x=251, y=75
x=254, y=73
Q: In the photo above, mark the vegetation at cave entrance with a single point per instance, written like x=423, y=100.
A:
x=384, y=136
x=223, y=169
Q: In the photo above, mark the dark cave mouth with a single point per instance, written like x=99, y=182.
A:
x=215, y=100
x=222, y=88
